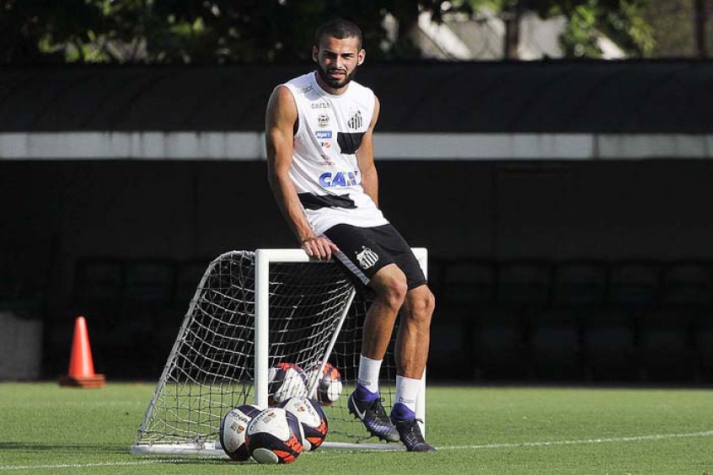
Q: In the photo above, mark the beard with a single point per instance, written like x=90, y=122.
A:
x=334, y=82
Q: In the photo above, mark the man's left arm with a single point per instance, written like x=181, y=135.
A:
x=365, y=158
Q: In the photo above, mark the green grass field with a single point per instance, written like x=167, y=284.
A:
x=45, y=429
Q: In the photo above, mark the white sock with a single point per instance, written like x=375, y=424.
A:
x=369, y=373
x=407, y=391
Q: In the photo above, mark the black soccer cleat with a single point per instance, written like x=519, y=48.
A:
x=374, y=417
x=411, y=436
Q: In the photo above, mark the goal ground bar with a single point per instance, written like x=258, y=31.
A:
x=214, y=450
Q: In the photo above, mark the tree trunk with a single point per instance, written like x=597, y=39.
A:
x=701, y=24
x=511, y=17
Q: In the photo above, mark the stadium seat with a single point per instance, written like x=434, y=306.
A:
x=665, y=344
x=524, y=284
x=99, y=282
x=634, y=284
x=148, y=309
x=499, y=344
x=554, y=346
x=449, y=343
x=581, y=283
x=150, y=282
x=608, y=345
x=702, y=335
x=688, y=283
x=188, y=277
x=467, y=282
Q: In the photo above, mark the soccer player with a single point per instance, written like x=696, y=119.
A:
x=320, y=156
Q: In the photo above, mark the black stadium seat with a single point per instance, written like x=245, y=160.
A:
x=634, y=284
x=688, y=283
x=580, y=283
x=524, y=284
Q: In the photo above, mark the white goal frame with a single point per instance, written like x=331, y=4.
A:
x=263, y=259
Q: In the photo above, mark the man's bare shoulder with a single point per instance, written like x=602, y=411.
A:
x=282, y=104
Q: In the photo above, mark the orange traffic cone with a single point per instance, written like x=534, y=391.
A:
x=81, y=366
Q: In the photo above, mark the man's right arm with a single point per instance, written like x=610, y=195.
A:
x=280, y=122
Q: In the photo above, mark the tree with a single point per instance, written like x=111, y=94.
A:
x=272, y=31
x=40, y=30
x=587, y=20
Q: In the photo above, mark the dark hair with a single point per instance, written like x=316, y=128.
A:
x=338, y=28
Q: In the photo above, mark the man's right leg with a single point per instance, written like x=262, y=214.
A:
x=390, y=286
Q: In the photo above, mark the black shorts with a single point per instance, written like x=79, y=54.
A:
x=366, y=250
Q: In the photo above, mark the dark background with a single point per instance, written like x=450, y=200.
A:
x=588, y=271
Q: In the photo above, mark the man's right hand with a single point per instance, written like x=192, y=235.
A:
x=319, y=247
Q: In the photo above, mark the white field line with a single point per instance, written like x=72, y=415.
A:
x=639, y=438
x=89, y=465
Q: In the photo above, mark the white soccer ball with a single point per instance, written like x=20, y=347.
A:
x=284, y=381
x=312, y=417
x=232, y=431
x=275, y=436
x=330, y=384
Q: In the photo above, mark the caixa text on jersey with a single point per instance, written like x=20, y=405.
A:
x=330, y=180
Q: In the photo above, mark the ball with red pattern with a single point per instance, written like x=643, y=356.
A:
x=330, y=385
x=312, y=417
x=284, y=381
x=275, y=436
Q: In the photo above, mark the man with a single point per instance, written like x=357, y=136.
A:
x=319, y=130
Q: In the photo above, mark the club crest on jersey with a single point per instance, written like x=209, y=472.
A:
x=367, y=258
x=356, y=121
x=323, y=120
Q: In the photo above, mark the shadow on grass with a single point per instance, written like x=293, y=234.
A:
x=95, y=449
x=35, y=447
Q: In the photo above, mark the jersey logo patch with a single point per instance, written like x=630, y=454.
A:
x=329, y=180
x=356, y=121
x=367, y=258
x=323, y=120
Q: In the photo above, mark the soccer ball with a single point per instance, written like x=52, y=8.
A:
x=312, y=418
x=275, y=436
x=284, y=381
x=232, y=431
x=330, y=385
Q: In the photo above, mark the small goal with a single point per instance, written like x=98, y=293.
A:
x=250, y=312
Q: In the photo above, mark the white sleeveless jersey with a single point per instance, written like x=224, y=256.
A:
x=324, y=165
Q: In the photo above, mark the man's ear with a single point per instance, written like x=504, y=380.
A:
x=361, y=57
x=315, y=54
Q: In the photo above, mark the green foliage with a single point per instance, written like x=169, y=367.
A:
x=587, y=20
x=673, y=25
x=36, y=30
x=266, y=31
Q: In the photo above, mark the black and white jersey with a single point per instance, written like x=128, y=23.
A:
x=324, y=165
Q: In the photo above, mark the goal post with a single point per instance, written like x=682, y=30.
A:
x=251, y=311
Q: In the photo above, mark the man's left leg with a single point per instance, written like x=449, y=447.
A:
x=411, y=353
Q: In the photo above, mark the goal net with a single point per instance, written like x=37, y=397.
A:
x=251, y=312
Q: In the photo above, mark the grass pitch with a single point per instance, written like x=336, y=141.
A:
x=478, y=430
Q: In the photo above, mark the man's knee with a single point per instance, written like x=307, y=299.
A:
x=391, y=286
x=421, y=303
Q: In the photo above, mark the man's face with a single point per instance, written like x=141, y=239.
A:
x=337, y=60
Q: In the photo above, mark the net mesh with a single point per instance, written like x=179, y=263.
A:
x=211, y=367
